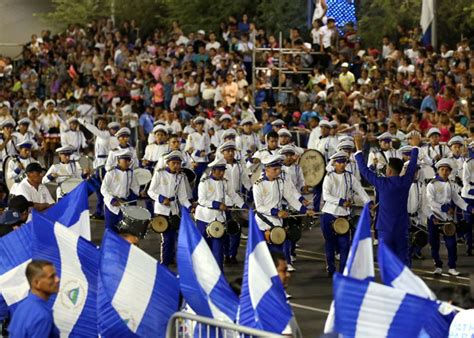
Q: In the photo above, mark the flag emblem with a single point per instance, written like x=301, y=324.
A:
x=73, y=294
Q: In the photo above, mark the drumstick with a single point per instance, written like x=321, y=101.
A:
x=236, y=209
x=125, y=203
x=304, y=215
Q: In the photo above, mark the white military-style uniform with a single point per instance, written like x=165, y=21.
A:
x=28, y=136
x=166, y=184
x=327, y=146
x=314, y=137
x=417, y=202
x=154, y=151
x=201, y=145
x=456, y=174
x=248, y=143
x=236, y=176
x=112, y=158
x=9, y=150
x=467, y=190
x=381, y=157
x=294, y=174
x=430, y=152
x=117, y=185
x=341, y=187
x=74, y=139
x=211, y=194
x=263, y=153
x=440, y=193
x=102, y=143
x=65, y=171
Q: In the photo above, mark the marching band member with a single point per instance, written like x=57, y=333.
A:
x=7, y=145
x=198, y=145
x=32, y=188
x=16, y=168
x=154, y=151
x=123, y=135
x=23, y=134
x=174, y=143
x=65, y=169
x=119, y=185
x=277, y=125
x=237, y=180
x=339, y=189
x=230, y=135
x=50, y=124
x=467, y=193
x=248, y=142
x=347, y=146
x=284, y=138
x=378, y=159
x=456, y=145
x=168, y=190
x=74, y=137
x=327, y=143
x=392, y=191
x=271, y=149
x=225, y=124
x=214, y=196
x=441, y=197
x=434, y=150
x=269, y=192
x=103, y=142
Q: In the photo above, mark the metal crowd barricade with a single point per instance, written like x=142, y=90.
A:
x=187, y=325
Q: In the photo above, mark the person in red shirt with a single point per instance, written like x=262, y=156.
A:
x=427, y=121
x=446, y=101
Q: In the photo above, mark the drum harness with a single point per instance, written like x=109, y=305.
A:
x=262, y=216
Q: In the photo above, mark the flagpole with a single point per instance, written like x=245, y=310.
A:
x=434, y=26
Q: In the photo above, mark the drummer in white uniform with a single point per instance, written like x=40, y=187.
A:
x=119, y=185
x=32, y=188
x=269, y=192
x=154, y=151
x=284, y=139
x=103, y=142
x=434, y=150
x=327, y=143
x=378, y=159
x=248, y=141
x=7, y=146
x=225, y=124
x=74, y=137
x=215, y=196
x=16, y=166
x=168, y=190
x=123, y=136
x=340, y=188
x=271, y=148
x=23, y=134
x=64, y=170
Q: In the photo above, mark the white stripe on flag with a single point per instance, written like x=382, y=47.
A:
x=136, y=287
x=379, y=309
x=260, y=270
x=14, y=285
x=205, y=266
x=73, y=288
x=83, y=226
x=409, y=282
x=362, y=265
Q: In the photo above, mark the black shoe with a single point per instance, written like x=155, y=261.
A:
x=227, y=260
x=234, y=261
x=330, y=274
x=95, y=216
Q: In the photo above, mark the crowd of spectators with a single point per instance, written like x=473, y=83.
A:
x=102, y=69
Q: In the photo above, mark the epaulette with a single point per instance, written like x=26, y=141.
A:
x=161, y=169
x=260, y=180
x=205, y=178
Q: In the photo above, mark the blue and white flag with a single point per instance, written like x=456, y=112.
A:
x=202, y=282
x=360, y=262
x=72, y=211
x=394, y=273
x=136, y=295
x=262, y=290
x=76, y=261
x=368, y=309
x=426, y=20
x=15, y=254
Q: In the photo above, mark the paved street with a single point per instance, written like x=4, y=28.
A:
x=310, y=287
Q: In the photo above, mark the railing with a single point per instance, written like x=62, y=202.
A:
x=186, y=325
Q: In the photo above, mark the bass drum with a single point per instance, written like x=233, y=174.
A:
x=313, y=165
x=419, y=238
x=215, y=229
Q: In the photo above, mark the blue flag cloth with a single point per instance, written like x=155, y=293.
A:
x=202, y=282
x=136, y=295
x=426, y=20
x=76, y=261
x=73, y=210
x=263, y=303
x=368, y=309
x=394, y=273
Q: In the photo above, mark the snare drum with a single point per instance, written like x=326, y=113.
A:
x=215, y=229
x=232, y=227
x=143, y=176
x=275, y=235
x=69, y=185
x=448, y=228
x=135, y=220
x=341, y=226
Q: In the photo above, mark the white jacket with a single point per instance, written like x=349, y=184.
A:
x=117, y=185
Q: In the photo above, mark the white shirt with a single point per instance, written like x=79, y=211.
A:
x=294, y=174
x=102, y=144
x=165, y=184
x=381, y=157
x=112, y=158
x=439, y=193
x=28, y=136
x=236, y=176
x=327, y=146
x=87, y=112
x=337, y=187
x=65, y=171
x=117, y=185
x=429, y=152
x=75, y=139
x=201, y=144
x=40, y=195
x=314, y=137
x=467, y=178
x=14, y=170
x=154, y=151
x=248, y=143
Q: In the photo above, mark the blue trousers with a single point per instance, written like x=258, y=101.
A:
x=111, y=219
x=317, y=191
x=469, y=219
x=99, y=207
x=168, y=245
x=331, y=240
x=231, y=245
x=215, y=244
x=450, y=242
x=199, y=170
x=398, y=243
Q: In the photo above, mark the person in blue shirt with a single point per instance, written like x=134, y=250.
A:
x=34, y=317
x=429, y=101
x=392, y=214
x=308, y=113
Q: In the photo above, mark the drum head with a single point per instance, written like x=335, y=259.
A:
x=277, y=235
x=341, y=226
x=136, y=213
x=257, y=173
x=232, y=227
x=85, y=162
x=143, y=176
x=449, y=229
x=159, y=224
x=215, y=229
x=294, y=233
x=8, y=179
x=70, y=184
x=313, y=165
x=191, y=176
